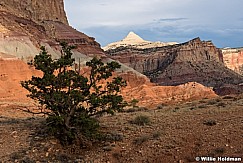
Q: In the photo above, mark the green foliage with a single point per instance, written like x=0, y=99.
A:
x=71, y=100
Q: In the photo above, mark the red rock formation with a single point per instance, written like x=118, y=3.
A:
x=152, y=96
x=193, y=61
x=233, y=59
x=12, y=71
x=65, y=33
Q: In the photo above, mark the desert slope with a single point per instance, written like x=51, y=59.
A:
x=13, y=71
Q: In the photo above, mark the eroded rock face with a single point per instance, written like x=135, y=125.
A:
x=13, y=71
x=28, y=24
x=36, y=10
x=193, y=61
x=151, y=95
x=233, y=59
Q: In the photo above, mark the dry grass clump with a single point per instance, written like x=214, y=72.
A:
x=141, y=120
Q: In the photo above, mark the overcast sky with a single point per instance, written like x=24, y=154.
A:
x=159, y=20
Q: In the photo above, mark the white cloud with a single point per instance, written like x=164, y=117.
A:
x=179, y=15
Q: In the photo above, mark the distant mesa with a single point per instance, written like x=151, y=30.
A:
x=192, y=61
x=134, y=40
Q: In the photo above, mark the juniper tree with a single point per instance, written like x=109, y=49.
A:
x=71, y=100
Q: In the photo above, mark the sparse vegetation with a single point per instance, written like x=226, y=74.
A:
x=156, y=134
x=141, y=120
x=130, y=110
x=161, y=106
x=114, y=136
x=121, y=141
x=210, y=122
x=141, y=140
x=71, y=100
x=192, y=108
x=217, y=151
x=202, y=101
x=212, y=102
x=136, y=109
x=202, y=106
x=221, y=104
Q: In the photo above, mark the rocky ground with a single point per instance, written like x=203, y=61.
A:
x=174, y=133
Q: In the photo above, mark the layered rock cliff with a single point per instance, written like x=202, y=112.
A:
x=193, y=61
x=36, y=10
x=233, y=59
x=28, y=24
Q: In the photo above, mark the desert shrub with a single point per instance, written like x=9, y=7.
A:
x=218, y=100
x=114, y=137
x=133, y=103
x=130, y=110
x=217, y=151
x=210, y=122
x=221, y=104
x=135, y=109
x=202, y=106
x=141, y=120
x=202, y=101
x=161, y=106
x=212, y=102
x=156, y=134
x=141, y=140
x=70, y=100
x=192, y=108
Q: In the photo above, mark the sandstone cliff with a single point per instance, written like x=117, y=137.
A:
x=36, y=10
x=28, y=24
x=233, y=59
x=193, y=61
